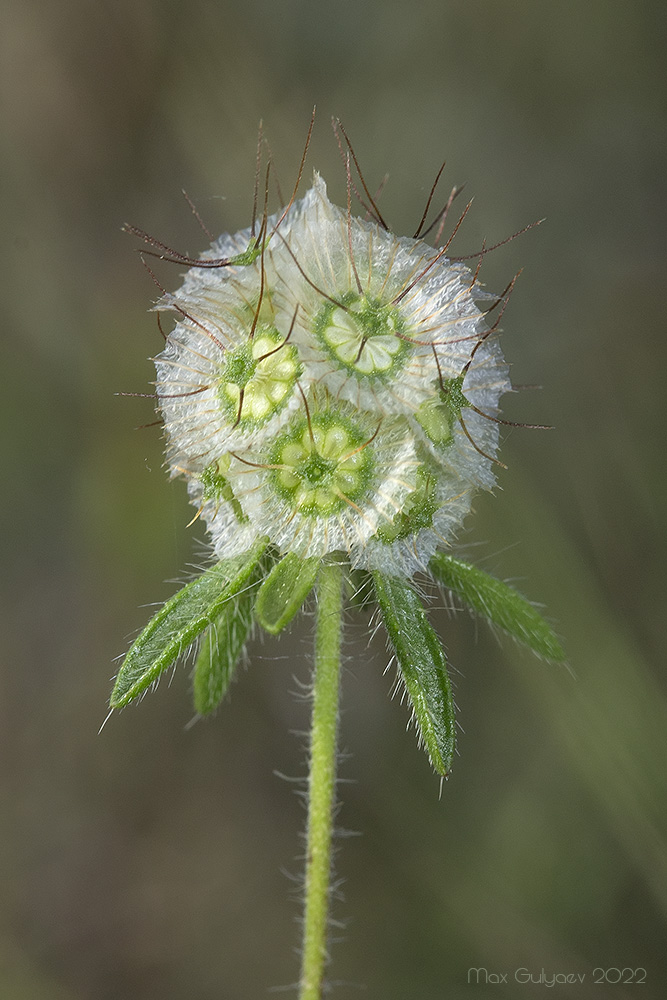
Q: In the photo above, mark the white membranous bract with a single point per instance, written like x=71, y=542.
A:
x=332, y=392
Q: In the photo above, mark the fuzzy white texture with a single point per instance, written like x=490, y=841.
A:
x=311, y=395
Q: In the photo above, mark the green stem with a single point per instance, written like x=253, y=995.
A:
x=322, y=779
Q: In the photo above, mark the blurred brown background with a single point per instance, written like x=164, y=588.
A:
x=149, y=861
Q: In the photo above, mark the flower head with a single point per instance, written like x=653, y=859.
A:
x=335, y=392
x=330, y=393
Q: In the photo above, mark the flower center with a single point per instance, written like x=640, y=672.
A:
x=321, y=467
x=317, y=469
x=258, y=378
x=363, y=335
x=240, y=366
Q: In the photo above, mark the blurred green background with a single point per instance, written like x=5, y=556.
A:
x=150, y=861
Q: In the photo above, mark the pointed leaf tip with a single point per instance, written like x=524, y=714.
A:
x=178, y=623
x=423, y=666
x=499, y=603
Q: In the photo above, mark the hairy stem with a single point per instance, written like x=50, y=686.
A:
x=322, y=779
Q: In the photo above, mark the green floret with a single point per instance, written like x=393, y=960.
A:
x=363, y=335
x=321, y=464
x=258, y=378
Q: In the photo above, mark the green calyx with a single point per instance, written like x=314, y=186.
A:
x=363, y=335
x=417, y=511
x=248, y=256
x=438, y=416
x=256, y=248
x=321, y=465
x=216, y=487
x=258, y=378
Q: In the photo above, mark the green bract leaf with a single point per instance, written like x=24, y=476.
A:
x=180, y=621
x=500, y=603
x=220, y=651
x=284, y=590
x=423, y=666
